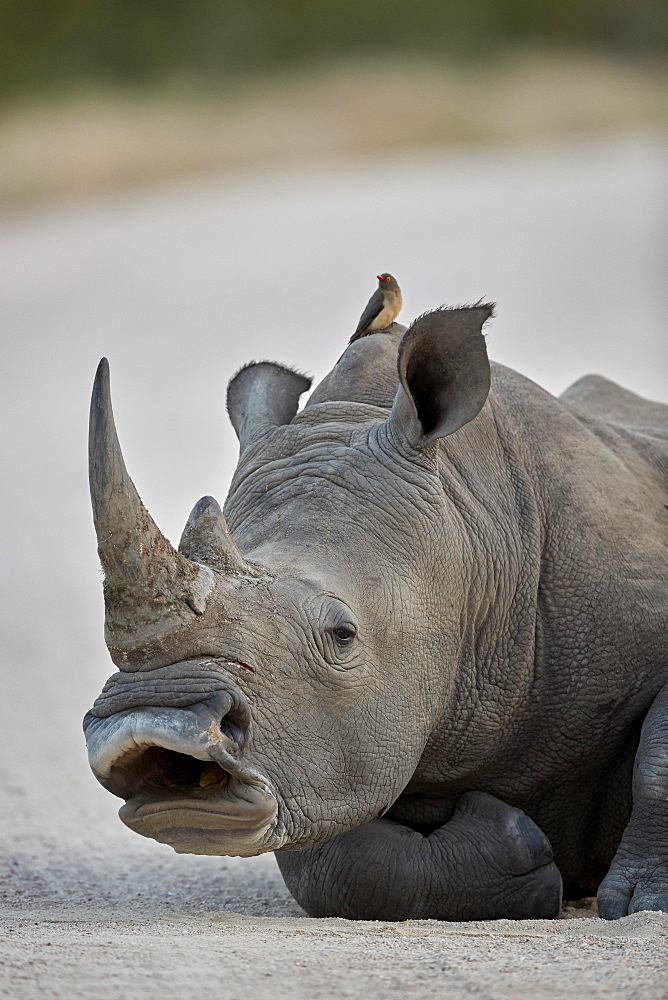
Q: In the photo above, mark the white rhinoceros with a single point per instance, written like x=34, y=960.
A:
x=426, y=662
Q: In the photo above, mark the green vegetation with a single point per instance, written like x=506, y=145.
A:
x=47, y=43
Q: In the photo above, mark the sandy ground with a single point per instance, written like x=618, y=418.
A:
x=179, y=287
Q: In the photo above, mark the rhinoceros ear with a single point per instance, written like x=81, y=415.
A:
x=444, y=374
x=261, y=395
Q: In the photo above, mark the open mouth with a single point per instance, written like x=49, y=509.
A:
x=157, y=770
x=183, y=781
x=194, y=805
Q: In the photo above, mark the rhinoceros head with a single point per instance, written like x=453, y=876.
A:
x=276, y=682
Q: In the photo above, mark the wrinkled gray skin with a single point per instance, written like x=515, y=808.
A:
x=434, y=606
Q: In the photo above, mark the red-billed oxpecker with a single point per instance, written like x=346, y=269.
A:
x=382, y=308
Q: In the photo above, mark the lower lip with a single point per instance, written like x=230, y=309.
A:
x=152, y=808
x=189, y=829
x=216, y=811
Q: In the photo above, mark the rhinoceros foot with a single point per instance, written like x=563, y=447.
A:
x=638, y=876
x=489, y=861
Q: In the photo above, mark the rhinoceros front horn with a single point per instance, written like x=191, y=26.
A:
x=150, y=589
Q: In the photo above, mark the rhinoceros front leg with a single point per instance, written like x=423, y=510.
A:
x=490, y=860
x=638, y=876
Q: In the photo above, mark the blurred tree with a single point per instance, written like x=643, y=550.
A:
x=49, y=42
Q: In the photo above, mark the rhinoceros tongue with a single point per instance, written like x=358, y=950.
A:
x=212, y=774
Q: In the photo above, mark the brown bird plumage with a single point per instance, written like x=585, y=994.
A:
x=382, y=308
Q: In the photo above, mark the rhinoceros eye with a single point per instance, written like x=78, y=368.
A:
x=344, y=634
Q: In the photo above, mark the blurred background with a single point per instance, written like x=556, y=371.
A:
x=187, y=186
x=99, y=93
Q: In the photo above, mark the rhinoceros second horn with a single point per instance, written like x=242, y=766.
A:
x=207, y=539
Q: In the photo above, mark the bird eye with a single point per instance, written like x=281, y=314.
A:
x=344, y=634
